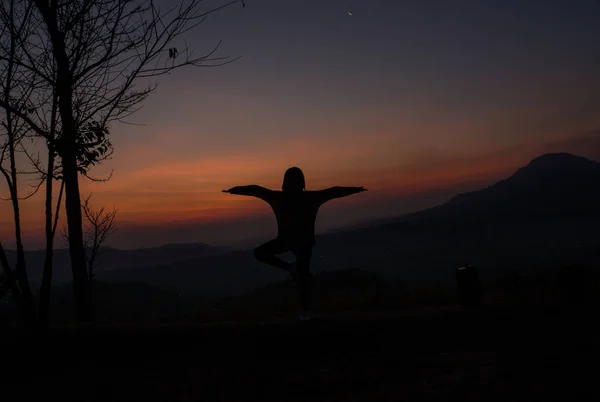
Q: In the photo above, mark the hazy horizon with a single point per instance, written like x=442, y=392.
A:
x=404, y=100
x=245, y=232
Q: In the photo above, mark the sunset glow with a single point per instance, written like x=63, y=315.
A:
x=418, y=107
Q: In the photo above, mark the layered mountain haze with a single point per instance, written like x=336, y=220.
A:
x=114, y=259
x=544, y=214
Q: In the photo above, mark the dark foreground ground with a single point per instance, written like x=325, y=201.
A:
x=497, y=354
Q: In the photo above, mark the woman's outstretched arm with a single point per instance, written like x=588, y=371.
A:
x=338, y=192
x=252, y=190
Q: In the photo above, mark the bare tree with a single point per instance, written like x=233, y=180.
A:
x=28, y=96
x=100, y=50
x=98, y=228
x=18, y=86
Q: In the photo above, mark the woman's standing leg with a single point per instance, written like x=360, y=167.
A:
x=303, y=284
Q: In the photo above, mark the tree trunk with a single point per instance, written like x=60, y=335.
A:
x=20, y=268
x=12, y=284
x=81, y=288
x=21, y=273
x=68, y=154
x=45, y=288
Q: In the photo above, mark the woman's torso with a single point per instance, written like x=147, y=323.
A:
x=296, y=216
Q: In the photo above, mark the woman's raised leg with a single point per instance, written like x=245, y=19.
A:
x=266, y=253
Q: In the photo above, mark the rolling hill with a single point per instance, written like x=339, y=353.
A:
x=115, y=259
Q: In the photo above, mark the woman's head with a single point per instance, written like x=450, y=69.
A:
x=293, y=180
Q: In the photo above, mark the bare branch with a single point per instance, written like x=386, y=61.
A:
x=99, y=180
x=60, y=193
x=100, y=226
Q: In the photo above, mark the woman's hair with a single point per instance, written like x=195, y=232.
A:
x=293, y=180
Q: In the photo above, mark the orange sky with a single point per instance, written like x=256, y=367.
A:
x=190, y=191
x=400, y=98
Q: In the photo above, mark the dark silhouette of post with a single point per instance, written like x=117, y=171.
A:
x=469, y=287
x=296, y=211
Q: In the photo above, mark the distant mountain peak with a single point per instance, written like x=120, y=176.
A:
x=551, y=186
x=559, y=166
x=561, y=158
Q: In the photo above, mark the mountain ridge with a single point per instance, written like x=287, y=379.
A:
x=427, y=244
x=525, y=214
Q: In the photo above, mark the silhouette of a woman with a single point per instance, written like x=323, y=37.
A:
x=296, y=212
